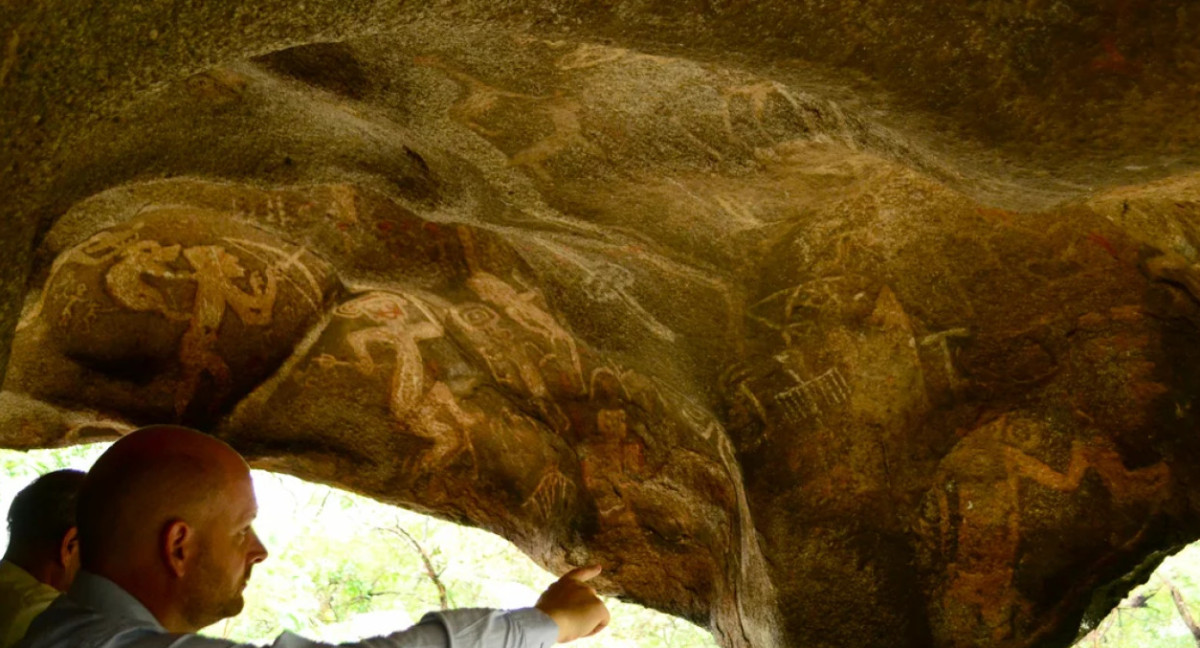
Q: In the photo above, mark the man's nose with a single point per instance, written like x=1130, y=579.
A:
x=258, y=552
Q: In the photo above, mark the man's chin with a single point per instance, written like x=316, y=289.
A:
x=232, y=607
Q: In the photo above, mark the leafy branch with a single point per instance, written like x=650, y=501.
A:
x=427, y=560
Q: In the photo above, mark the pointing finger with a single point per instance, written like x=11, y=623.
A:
x=584, y=573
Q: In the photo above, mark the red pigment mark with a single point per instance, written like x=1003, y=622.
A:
x=995, y=214
x=384, y=226
x=793, y=460
x=633, y=457
x=432, y=228
x=1112, y=60
x=1103, y=242
x=343, y=226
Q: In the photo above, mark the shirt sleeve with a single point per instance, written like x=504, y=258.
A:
x=66, y=624
x=466, y=628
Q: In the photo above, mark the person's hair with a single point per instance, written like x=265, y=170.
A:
x=43, y=512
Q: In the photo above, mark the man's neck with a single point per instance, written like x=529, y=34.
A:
x=151, y=593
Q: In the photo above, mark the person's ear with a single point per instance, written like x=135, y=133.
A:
x=178, y=546
x=68, y=548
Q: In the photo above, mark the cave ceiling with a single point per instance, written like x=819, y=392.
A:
x=821, y=324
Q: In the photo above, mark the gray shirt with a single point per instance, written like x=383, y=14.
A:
x=97, y=613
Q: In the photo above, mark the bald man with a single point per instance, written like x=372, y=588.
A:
x=43, y=551
x=165, y=525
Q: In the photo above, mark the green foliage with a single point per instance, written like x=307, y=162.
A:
x=341, y=567
x=1149, y=616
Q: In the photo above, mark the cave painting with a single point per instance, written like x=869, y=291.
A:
x=523, y=309
x=215, y=272
x=621, y=462
x=423, y=406
x=518, y=442
x=810, y=398
x=479, y=99
x=509, y=365
x=979, y=516
x=789, y=311
x=563, y=113
x=941, y=341
x=447, y=426
x=283, y=263
x=125, y=284
x=757, y=96
x=78, y=307
x=514, y=363
x=554, y=385
x=615, y=458
x=102, y=247
x=400, y=323
x=551, y=496
x=431, y=412
x=589, y=55
x=737, y=214
x=609, y=282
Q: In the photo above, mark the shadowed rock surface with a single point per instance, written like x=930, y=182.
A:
x=856, y=324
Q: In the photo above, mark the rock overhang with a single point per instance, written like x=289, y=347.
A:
x=785, y=311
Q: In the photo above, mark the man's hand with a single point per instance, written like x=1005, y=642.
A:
x=574, y=605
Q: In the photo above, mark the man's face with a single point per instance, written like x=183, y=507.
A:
x=227, y=549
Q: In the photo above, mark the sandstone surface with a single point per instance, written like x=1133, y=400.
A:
x=819, y=324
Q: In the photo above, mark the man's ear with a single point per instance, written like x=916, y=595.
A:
x=178, y=546
x=68, y=548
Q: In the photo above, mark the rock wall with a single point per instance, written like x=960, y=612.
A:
x=861, y=326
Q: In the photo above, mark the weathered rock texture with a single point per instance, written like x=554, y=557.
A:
x=824, y=324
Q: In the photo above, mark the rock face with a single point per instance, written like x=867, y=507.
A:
x=854, y=325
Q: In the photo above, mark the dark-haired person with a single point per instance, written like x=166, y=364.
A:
x=165, y=527
x=43, y=551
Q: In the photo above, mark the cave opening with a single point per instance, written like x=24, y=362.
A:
x=345, y=567
x=1159, y=612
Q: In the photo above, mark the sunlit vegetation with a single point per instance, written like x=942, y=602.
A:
x=344, y=567
x=1162, y=613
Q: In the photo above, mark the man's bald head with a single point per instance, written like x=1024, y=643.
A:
x=144, y=481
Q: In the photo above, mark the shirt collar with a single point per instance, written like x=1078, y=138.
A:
x=10, y=570
x=109, y=599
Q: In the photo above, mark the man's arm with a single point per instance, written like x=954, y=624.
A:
x=567, y=610
x=466, y=628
